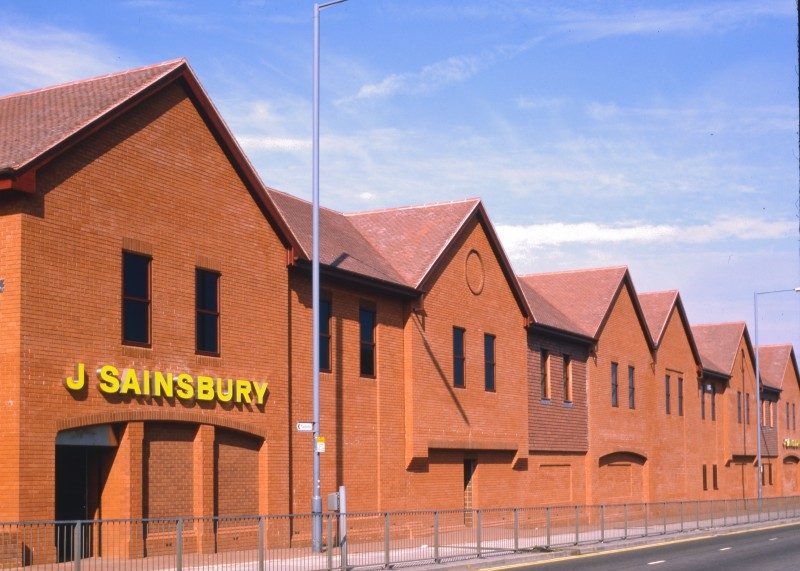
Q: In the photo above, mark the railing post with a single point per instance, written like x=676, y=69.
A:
x=516, y=530
x=646, y=519
x=625, y=513
x=547, y=519
x=261, y=543
x=711, y=512
x=436, y=537
x=478, y=532
x=179, y=545
x=681, y=514
x=386, y=541
x=577, y=525
x=77, y=545
x=330, y=542
x=736, y=511
x=697, y=514
x=665, y=518
x=602, y=524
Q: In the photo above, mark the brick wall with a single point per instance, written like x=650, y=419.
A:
x=155, y=180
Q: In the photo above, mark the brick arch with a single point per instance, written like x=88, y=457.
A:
x=160, y=416
x=791, y=459
x=623, y=456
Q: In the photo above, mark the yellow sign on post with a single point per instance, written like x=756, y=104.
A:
x=320, y=444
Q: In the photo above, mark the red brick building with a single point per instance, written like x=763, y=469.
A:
x=156, y=355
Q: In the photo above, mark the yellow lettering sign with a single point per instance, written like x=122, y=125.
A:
x=147, y=383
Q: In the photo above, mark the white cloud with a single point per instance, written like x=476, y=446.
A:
x=33, y=57
x=431, y=77
x=284, y=144
x=704, y=18
x=520, y=240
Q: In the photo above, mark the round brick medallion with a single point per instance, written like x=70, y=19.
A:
x=474, y=271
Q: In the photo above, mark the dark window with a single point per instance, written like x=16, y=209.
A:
x=366, y=322
x=680, y=396
x=545, y=374
x=135, y=298
x=747, y=408
x=567, y=379
x=702, y=401
x=705, y=477
x=739, y=407
x=713, y=396
x=459, y=358
x=206, y=293
x=787, y=416
x=667, y=395
x=325, y=334
x=714, y=477
x=794, y=418
x=769, y=473
x=614, y=385
x=488, y=356
x=631, y=388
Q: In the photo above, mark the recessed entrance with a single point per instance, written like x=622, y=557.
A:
x=83, y=457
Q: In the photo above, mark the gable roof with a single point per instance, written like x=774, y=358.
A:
x=772, y=363
x=579, y=301
x=35, y=121
x=414, y=237
x=718, y=344
x=38, y=125
x=342, y=246
x=657, y=307
x=401, y=246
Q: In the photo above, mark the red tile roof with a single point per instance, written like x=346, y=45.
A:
x=414, y=237
x=341, y=244
x=657, y=306
x=33, y=122
x=772, y=363
x=718, y=343
x=577, y=301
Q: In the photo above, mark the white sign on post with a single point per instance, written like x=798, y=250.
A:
x=305, y=426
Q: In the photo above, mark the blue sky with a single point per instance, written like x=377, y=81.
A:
x=661, y=135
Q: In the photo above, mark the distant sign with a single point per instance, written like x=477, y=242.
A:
x=320, y=444
x=305, y=426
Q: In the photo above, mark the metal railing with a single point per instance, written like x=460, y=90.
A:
x=375, y=540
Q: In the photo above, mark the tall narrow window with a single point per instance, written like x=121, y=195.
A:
x=325, y=334
x=631, y=388
x=206, y=293
x=489, y=364
x=567, y=378
x=667, y=396
x=714, y=477
x=787, y=417
x=705, y=477
x=614, y=385
x=366, y=322
x=739, y=407
x=712, y=395
x=459, y=358
x=764, y=413
x=769, y=473
x=747, y=408
x=702, y=401
x=135, y=299
x=545, y=373
x=680, y=396
x=794, y=418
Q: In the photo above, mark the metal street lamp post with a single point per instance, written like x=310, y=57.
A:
x=759, y=472
x=316, y=499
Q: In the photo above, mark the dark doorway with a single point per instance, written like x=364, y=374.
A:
x=78, y=481
x=469, y=472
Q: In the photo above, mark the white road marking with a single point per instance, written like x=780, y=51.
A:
x=773, y=539
x=656, y=562
x=724, y=548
